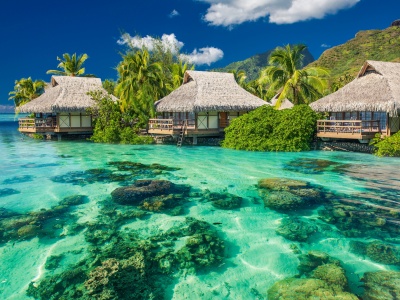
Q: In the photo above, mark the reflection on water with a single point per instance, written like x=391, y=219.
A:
x=82, y=220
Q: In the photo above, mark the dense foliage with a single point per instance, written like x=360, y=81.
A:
x=113, y=126
x=389, y=146
x=267, y=129
x=26, y=90
x=382, y=45
x=71, y=65
x=286, y=76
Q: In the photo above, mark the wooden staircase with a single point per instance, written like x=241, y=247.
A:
x=182, y=133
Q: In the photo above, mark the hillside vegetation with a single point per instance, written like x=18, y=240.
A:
x=254, y=64
x=382, y=45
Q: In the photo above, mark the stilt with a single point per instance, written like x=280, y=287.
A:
x=195, y=140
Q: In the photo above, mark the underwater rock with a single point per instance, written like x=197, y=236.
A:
x=313, y=166
x=8, y=192
x=6, y=213
x=152, y=195
x=313, y=259
x=66, y=285
x=283, y=201
x=306, y=289
x=332, y=274
x=281, y=184
x=74, y=200
x=201, y=250
x=53, y=261
x=134, y=194
x=381, y=285
x=377, y=251
x=18, y=179
x=284, y=194
x=224, y=200
x=90, y=176
x=28, y=231
x=295, y=229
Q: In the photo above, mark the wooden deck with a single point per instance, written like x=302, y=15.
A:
x=173, y=127
x=48, y=125
x=347, y=129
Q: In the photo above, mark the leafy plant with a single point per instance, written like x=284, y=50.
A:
x=287, y=76
x=388, y=146
x=111, y=125
x=267, y=129
x=26, y=90
x=71, y=65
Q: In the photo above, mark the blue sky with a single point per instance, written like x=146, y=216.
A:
x=213, y=33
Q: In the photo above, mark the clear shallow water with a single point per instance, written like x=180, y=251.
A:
x=255, y=255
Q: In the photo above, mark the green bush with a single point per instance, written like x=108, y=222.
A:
x=267, y=129
x=111, y=125
x=389, y=146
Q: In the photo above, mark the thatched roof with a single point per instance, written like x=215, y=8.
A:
x=376, y=88
x=285, y=104
x=65, y=94
x=208, y=91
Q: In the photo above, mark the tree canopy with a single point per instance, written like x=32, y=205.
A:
x=287, y=76
x=71, y=65
x=268, y=129
x=26, y=90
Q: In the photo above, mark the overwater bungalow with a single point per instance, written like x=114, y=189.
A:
x=368, y=105
x=61, y=109
x=202, y=106
x=285, y=104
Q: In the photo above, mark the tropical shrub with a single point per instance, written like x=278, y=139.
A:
x=389, y=146
x=267, y=129
x=113, y=126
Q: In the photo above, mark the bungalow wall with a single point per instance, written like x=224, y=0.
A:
x=74, y=120
x=204, y=120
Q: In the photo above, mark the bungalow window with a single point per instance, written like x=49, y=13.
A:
x=381, y=116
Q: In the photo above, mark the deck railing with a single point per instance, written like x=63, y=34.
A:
x=348, y=126
x=34, y=123
x=171, y=124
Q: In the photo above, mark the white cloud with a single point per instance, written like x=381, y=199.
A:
x=174, y=13
x=203, y=56
x=168, y=41
x=233, y=12
x=325, y=46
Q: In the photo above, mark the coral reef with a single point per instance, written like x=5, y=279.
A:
x=381, y=285
x=223, y=200
x=313, y=166
x=42, y=223
x=132, y=267
x=306, y=289
x=295, y=229
x=8, y=192
x=284, y=194
x=324, y=279
x=152, y=195
x=377, y=251
x=121, y=171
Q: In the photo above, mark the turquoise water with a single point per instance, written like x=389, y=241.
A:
x=39, y=174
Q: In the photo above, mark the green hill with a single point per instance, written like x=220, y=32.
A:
x=382, y=45
x=253, y=65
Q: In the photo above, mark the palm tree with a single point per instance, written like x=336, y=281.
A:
x=240, y=77
x=140, y=83
x=299, y=85
x=26, y=90
x=341, y=82
x=71, y=65
x=177, y=71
